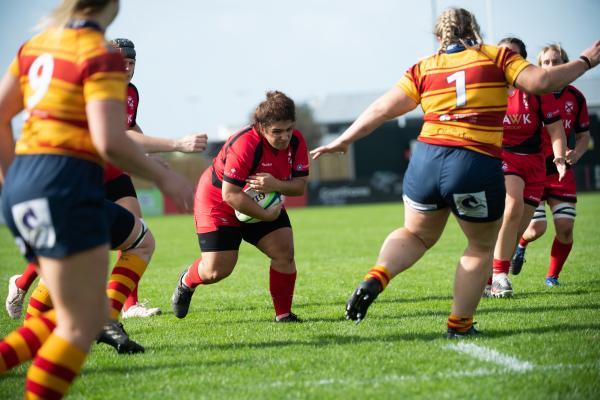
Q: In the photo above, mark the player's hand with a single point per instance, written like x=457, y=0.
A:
x=561, y=167
x=593, y=53
x=178, y=189
x=333, y=147
x=572, y=157
x=272, y=213
x=192, y=143
x=263, y=182
x=361, y=299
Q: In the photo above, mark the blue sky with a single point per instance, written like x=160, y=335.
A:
x=206, y=63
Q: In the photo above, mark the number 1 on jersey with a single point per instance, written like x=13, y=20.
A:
x=461, y=87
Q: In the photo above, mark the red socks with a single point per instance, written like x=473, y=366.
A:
x=132, y=299
x=192, y=278
x=558, y=257
x=501, y=266
x=282, y=291
x=523, y=243
x=27, y=277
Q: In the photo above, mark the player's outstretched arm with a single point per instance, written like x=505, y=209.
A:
x=582, y=144
x=194, y=143
x=538, y=80
x=11, y=103
x=392, y=104
x=105, y=120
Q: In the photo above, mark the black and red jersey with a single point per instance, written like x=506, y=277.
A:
x=244, y=154
x=574, y=114
x=133, y=100
x=247, y=153
x=131, y=105
x=523, y=121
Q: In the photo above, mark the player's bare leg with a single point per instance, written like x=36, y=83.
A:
x=400, y=250
x=279, y=247
x=132, y=306
x=508, y=236
x=564, y=214
x=212, y=267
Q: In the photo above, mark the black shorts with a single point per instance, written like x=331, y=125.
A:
x=120, y=187
x=230, y=237
x=121, y=223
x=54, y=205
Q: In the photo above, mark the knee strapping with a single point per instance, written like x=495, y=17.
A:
x=138, y=241
x=564, y=211
x=540, y=212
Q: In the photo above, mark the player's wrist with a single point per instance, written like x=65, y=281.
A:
x=587, y=61
x=559, y=160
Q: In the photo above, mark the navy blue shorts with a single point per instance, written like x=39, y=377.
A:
x=230, y=237
x=470, y=183
x=54, y=205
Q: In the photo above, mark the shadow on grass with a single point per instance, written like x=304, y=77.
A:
x=341, y=339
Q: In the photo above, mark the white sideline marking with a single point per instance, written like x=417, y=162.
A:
x=491, y=355
x=442, y=375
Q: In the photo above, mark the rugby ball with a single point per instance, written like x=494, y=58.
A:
x=265, y=200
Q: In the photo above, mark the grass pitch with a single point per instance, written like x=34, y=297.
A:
x=544, y=343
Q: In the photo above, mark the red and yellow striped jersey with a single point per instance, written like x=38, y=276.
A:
x=464, y=96
x=60, y=71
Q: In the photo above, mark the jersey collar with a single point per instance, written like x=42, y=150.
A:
x=84, y=23
x=458, y=47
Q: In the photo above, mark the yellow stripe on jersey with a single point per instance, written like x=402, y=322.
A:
x=60, y=71
x=467, y=93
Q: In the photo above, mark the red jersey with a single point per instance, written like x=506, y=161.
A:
x=574, y=114
x=243, y=154
x=523, y=121
x=131, y=105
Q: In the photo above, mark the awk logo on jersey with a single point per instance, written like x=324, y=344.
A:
x=516, y=120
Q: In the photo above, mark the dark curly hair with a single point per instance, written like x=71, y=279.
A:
x=276, y=107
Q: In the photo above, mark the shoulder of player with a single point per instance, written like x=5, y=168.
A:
x=92, y=45
x=297, y=134
x=132, y=87
x=575, y=93
x=245, y=137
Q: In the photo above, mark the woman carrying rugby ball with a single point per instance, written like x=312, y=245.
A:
x=268, y=156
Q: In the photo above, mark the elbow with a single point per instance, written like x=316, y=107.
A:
x=229, y=198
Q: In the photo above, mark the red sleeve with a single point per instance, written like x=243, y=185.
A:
x=238, y=160
x=300, y=156
x=549, y=109
x=582, y=123
x=133, y=101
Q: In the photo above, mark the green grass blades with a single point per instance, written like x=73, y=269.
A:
x=542, y=344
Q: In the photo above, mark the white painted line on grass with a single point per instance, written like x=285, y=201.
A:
x=490, y=355
x=396, y=378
